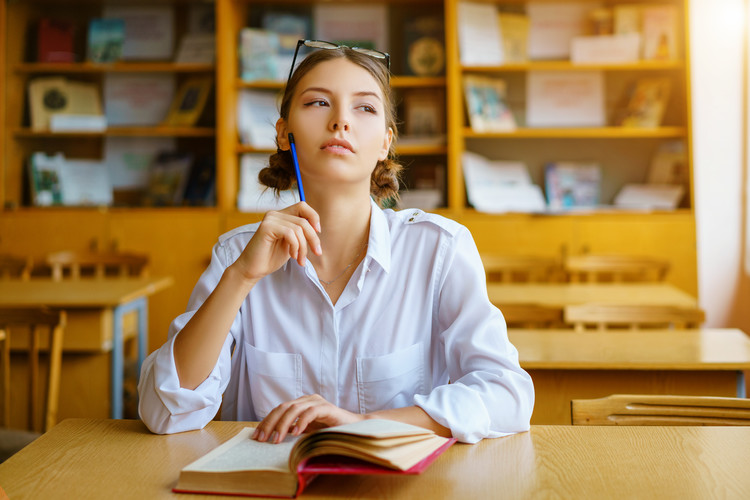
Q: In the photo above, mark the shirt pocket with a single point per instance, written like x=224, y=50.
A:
x=390, y=381
x=274, y=378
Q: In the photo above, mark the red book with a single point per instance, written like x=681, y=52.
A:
x=245, y=467
x=55, y=41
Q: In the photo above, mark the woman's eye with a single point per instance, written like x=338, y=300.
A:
x=318, y=102
x=367, y=108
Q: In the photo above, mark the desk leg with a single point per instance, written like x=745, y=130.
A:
x=118, y=349
x=741, y=384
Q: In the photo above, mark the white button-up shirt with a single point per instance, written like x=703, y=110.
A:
x=414, y=326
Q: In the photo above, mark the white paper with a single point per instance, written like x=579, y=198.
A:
x=479, y=36
x=85, y=182
x=553, y=26
x=149, y=31
x=128, y=159
x=500, y=186
x=137, y=99
x=352, y=24
x=649, y=196
x=254, y=197
x=257, y=113
x=565, y=99
x=606, y=48
x=64, y=122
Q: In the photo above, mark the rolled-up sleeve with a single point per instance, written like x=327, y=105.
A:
x=163, y=405
x=490, y=395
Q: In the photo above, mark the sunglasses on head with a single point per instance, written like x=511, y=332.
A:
x=320, y=44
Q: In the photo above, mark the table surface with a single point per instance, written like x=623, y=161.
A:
x=563, y=294
x=79, y=293
x=657, y=349
x=82, y=458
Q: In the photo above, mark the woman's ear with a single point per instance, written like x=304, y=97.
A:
x=282, y=138
x=386, y=144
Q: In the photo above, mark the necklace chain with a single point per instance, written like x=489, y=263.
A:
x=328, y=283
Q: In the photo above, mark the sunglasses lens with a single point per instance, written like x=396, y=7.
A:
x=317, y=44
x=372, y=53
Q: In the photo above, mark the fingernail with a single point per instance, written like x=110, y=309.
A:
x=295, y=431
x=317, y=227
x=261, y=436
x=318, y=250
x=275, y=436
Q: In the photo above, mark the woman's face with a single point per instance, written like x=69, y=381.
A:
x=338, y=121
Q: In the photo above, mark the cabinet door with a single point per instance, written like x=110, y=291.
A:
x=179, y=243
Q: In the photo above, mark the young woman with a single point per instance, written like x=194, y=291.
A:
x=334, y=310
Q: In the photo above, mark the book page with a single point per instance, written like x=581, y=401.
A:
x=243, y=453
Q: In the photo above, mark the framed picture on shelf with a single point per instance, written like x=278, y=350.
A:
x=424, y=113
x=189, y=102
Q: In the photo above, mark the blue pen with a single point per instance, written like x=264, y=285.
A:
x=296, y=167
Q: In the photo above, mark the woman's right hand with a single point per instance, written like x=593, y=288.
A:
x=288, y=233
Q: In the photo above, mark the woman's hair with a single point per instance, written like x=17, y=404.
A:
x=384, y=182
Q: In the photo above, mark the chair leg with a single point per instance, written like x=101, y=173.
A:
x=53, y=380
x=33, y=372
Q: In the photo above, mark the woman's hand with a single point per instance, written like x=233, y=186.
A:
x=294, y=417
x=288, y=233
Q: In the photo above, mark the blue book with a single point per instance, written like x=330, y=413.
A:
x=106, y=37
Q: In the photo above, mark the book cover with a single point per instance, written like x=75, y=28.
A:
x=189, y=102
x=424, y=46
x=487, y=105
x=55, y=41
x=259, y=52
x=137, y=99
x=572, y=185
x=105, y=40
x=148, y=30
x=243, y=466
x=646, y=103
x=514, y=30
x=660, y=31
x=44, y=175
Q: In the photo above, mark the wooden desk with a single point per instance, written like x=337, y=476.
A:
x=567, y=365
x=564, y=294
x=96, y=309
x=120, y=459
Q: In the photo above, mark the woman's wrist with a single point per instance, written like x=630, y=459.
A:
x=238, y=279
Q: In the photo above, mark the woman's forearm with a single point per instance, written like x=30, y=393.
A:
x=413, y=415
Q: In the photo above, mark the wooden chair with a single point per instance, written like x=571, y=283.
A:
x=615, y=268
x=14, y=267
x=520, y=268
x=626, y=409
x=32, y=321
x=531, y=316
x=98, y=265
x=608, y=316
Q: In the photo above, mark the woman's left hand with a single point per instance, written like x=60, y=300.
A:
x=296, y=416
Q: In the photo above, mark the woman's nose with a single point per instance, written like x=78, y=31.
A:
x=340, y=122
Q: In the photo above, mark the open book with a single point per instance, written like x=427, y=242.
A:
x=244, y=466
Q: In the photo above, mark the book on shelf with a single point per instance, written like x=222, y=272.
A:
x=552, y=27
x=626, y=19
x=645, y=103
x=189, y=102
x=565, y=99
x=669, y=165
x=132, y=99
x=495, y=186
x=479, y=39
x=259, y=53
x=514, y=31
x=572, y=185
x=487, y=104
x=54, y=41
x=649, y=196
x=149, y=30
x=201, y=184
x=360, y=25
x=290, y=27
x=606, y=49
x=50, y=96
x=424, y=46
x=197, y=48
x=44, y=179
x=424, y=113
x=659, y=24
x=252, y=196
x=168, y=176
x=105, y=40
x=244, y=466
x=257, y=113
x=85, y=182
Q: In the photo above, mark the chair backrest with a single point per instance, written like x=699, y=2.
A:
x=615, y=268
x=607, y=316
x=31, y=321
x=520, y=268
x=98, y=265
x=628, y=409
x=531, y=316
x=15, y=267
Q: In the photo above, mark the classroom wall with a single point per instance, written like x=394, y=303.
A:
x=717, y=35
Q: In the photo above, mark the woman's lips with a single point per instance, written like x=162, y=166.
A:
x=338, y=146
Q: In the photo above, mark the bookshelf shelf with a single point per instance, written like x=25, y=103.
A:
x=396, y=82
x=120, y=67
x=26, y=133
x=410, y=150
x=581, y=133
x=570, y=66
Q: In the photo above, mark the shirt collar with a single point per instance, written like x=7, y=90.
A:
x=379, y=242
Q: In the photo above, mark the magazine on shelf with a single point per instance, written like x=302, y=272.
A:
x=168, y=176
x=572, y=185
x=197, y=48
x=479, y=39
x=54, y=40
x=149, y=30
x=259, y=55
x=487, y=104
x=565, y=99
x=646, y=103
x=137, y=99
x=105, y=40
x=500, y=186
